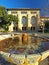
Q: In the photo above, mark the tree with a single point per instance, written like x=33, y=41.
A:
x=14, y=19
x=5, y=19
x=5, y=22
x=3, y=13
x=3, y=10
x=0, y=14
x=47, y=25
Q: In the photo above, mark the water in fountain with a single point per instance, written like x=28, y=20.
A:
x=28, y=44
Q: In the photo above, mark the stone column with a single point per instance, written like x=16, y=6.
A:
x=20, y=20
x=38, y=20
x=29, y=20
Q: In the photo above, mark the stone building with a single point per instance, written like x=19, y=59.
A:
x=28, y=19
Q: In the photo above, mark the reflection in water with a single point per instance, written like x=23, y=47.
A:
x=24, y=44
x=24, y=39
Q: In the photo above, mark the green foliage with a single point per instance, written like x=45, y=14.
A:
x=0, y=13
x=10, y=17
x=5, y=22
x=3, y=16
x=3, y=10
x=47, y=24
x=5, y=19
x=13, y=18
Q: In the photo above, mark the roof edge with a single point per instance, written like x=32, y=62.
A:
x=44, y=16
x=23, y=9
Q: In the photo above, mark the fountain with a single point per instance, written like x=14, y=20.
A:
x=24, y=49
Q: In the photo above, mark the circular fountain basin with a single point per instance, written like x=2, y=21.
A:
x=23, y=44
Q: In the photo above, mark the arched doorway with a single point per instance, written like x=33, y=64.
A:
x=33, y=22
x=24, y=22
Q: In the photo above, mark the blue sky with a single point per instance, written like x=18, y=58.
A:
x=24, y=3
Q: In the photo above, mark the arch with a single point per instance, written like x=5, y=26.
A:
x=24, y=20
x=33, y=20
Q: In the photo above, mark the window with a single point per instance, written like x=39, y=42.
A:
x=24, y=20
x=13, y=12
x=33, y=12
x=24, y=12
x=33, y=20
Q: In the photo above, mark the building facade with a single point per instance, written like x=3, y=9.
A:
x=28, y=19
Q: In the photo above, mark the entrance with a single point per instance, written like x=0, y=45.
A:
x=24, y=28
x=15, y=28
x=32, y=28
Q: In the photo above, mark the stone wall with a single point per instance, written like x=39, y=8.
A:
x=29, y=14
